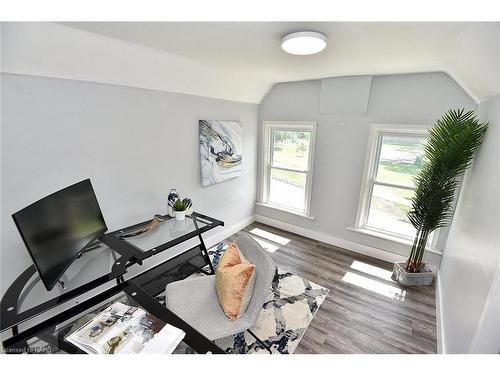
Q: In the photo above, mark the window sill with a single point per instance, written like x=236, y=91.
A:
x=388, y=237
x=287, y=210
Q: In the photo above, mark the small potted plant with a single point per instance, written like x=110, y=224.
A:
x=179, y=207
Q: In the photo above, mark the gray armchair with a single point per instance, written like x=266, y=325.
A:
x=195, y=300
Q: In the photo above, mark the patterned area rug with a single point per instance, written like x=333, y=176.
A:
x=290, y=307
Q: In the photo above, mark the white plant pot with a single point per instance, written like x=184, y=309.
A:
x=402, y=277
x=180, y=215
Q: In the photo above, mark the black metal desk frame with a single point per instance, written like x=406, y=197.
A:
x=11, y=318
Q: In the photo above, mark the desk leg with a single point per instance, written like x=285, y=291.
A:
x=204, y=251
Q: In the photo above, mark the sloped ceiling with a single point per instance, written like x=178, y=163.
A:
x=245, y=59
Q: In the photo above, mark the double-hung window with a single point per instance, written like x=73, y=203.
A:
x=287, y=165
x=394, y=158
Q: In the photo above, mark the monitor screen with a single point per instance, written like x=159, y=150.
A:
x=58, y=227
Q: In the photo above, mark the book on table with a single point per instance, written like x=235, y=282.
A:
x=126, y=329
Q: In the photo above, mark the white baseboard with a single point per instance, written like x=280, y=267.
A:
x=318, y=236
x=441, y=347
x=331, y=240
x=228, y=231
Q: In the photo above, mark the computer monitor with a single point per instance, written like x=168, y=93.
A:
x=57, y=228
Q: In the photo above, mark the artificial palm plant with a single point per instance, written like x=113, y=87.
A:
x=453, y=142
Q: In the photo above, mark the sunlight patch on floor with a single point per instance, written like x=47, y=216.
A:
x=270, y=236
x=372, y=270
x=379, y=287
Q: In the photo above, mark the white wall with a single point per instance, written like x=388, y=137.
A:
x=417, y=99
x=55, y=50
x=134, y=144
x=469, y=274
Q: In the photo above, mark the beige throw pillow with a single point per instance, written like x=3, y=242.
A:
x=234, y=282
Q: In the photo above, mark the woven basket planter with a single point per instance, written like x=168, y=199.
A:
x=402, y=277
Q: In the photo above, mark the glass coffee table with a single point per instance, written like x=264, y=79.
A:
x=39, y=321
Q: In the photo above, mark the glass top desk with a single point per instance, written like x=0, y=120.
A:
x=102, y=270
x=168, y=233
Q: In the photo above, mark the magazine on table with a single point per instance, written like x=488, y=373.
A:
x=128, y=330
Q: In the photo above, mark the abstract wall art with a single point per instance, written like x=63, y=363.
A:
x=220, y=151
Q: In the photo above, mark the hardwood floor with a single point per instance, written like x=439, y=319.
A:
x=365, y=311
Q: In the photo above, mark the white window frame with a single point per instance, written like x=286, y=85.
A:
x=377, y=131
x=268, y=126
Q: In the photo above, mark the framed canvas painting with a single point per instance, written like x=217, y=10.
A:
x=220, y=151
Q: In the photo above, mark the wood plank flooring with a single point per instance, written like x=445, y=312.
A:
x=365, y=311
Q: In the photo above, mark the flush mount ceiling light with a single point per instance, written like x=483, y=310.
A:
x=304, y=43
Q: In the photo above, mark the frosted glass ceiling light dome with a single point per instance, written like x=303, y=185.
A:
x=304, y=43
